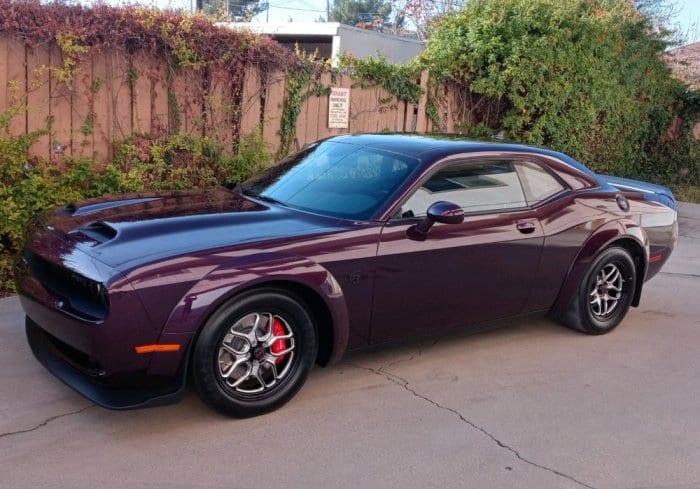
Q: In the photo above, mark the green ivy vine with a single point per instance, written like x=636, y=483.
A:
x=398, y=80
x=301, y=84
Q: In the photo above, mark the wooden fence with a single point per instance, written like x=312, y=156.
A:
x=112, y=95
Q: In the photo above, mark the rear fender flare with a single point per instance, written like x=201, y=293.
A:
x=624, y=231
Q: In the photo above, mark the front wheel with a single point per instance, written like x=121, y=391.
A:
x=254, y=353
x=605, y=294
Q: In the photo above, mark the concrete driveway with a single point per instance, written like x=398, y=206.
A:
x=531, y=405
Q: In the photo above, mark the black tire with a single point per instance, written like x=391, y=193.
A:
x=590, y=316
x=218, y=349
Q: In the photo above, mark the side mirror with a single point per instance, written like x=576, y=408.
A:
x=445, y=212
x=442, y=212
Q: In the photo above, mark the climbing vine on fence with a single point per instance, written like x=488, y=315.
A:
x=181, y=40
x=398, y=80
x=174, y=41
x=302, y=83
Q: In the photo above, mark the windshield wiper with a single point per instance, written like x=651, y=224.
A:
x=264, y=198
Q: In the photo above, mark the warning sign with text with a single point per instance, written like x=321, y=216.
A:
x=338, y=108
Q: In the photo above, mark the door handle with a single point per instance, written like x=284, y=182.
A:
x=526, y=227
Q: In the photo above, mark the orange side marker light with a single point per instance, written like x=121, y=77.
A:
x=157, y=348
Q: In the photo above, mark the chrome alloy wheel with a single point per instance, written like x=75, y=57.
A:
x=606, y=291
x=256, y=353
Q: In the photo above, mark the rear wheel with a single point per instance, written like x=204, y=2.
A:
x=605, y=294
x=254, y=353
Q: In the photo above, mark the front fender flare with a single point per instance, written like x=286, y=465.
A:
x=240, y=275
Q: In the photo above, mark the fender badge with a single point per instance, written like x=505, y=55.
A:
x=354, y=278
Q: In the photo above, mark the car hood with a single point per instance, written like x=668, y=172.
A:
x=126, y=231
x=651, y=191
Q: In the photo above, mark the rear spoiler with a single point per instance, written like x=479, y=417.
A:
x=649, y=191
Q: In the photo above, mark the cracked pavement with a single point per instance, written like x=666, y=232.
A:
x=529, y=405
x=401, y=382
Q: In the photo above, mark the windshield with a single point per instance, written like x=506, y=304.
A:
x=334, y=178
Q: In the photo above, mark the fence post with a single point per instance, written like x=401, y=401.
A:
x=141, y=94
x=16, y=82
x=250, y=102
x=4, y=62
x=61, y=100
x=118, y=87
x=103, y=115
x=272, y=112
x=422, y=122
x=38, y=96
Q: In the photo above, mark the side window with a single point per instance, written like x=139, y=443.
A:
x=538, y=184
x=476, y=186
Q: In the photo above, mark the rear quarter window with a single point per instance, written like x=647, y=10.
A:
x=538, y=184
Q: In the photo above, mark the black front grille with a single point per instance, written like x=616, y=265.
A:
x=74, y=357
x=76, y=294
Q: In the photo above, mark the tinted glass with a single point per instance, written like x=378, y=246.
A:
x=474, y=186
x=538, y=184
x=336, y=179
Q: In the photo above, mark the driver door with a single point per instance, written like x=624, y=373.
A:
x=460, y=274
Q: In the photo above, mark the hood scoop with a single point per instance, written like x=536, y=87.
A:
x=97, y=232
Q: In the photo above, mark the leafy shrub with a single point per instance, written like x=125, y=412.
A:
x=678, y=162
x=142, y=163
x=183, y=161
x=583, y=76
x=398, y=80
x=253, y=155
x=26, y=187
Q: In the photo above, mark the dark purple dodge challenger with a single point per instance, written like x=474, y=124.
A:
x=355, y=240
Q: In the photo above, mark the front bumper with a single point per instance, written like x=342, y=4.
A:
x=85, y=322
x=124, y=392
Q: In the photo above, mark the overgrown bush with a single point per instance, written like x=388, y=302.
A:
x=26, y=187
x=583, y=76
x=398, y=80
x=142, y=163
x=180, y=39
x=180, y=161
x=677, y=162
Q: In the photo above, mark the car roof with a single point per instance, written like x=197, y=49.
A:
x=416, y=144
x=432, y=147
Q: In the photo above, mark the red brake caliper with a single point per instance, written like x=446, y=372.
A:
x=279, y=345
